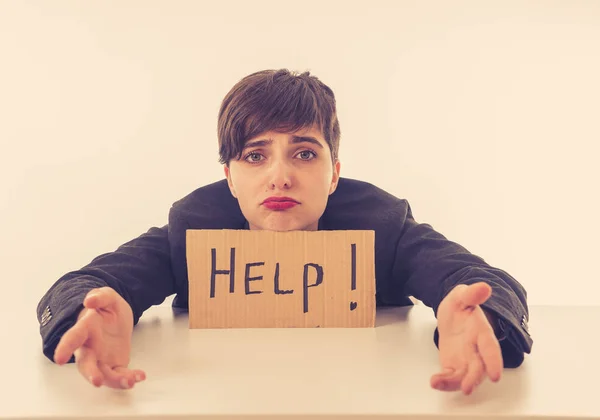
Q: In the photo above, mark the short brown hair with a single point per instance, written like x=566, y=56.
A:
x=275, y=100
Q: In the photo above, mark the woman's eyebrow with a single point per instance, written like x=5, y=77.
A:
x=257, y=143
x=306, y=139
x=293, y=140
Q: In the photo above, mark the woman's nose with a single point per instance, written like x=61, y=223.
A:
x=280, y=176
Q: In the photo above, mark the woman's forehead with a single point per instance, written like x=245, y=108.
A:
x=300, y=136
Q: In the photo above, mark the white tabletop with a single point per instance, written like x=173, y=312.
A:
x=306, y=373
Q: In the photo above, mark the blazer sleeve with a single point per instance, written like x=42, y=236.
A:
x=430, y=265
x=139, y=270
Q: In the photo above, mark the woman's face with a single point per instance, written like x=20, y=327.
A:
x=283, y=180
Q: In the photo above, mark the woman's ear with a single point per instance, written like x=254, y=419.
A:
x=229, y=182
x=335, y=177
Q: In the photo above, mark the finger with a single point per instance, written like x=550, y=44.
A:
x=475, y=294
x=87, y=364
x=474, y=376
x=133, y=375
x=118, y=377
x=491, y=355
x=100, y=298
x=448, y=380
x=74, y=338
x=140, y=375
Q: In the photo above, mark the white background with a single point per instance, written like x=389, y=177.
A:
x=483, y=114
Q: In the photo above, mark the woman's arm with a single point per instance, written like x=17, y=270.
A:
x=430, y=266
x=139, y=270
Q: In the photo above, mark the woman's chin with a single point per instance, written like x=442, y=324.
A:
x=282, y=224
x=282, y=227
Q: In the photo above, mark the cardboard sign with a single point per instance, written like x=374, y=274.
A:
x=263, y=279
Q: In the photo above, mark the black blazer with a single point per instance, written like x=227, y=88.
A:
x=411, y=259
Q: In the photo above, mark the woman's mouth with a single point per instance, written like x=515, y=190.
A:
x=280, y=203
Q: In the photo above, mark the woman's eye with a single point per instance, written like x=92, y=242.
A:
x=253, y=157
x=306, y=154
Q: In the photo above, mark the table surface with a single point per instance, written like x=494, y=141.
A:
x=306, y=373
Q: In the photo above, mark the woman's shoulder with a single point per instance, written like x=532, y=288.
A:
x=362, y=192
x=360, y=204
x=208, y=207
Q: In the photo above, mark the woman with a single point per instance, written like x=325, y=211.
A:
x=278, y=141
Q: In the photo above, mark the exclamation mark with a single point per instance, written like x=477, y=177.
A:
x=353, y=275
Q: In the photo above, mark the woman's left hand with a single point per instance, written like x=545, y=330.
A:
x=468, y=348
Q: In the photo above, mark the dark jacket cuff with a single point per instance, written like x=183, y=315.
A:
x=513, y=343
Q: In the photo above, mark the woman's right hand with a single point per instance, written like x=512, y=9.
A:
x=101, y=341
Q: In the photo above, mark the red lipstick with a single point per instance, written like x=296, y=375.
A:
x=279, y=203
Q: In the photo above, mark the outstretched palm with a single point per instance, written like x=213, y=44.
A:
x=101, y=341
x=468, y=347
